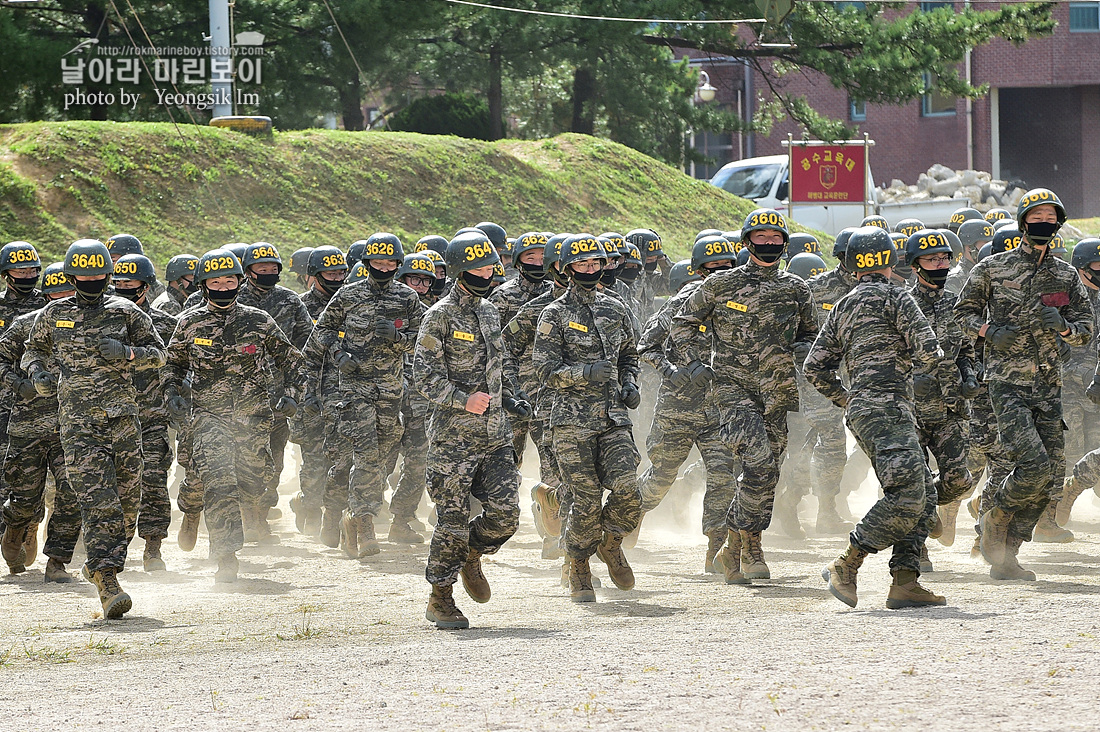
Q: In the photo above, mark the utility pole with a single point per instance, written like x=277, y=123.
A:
x=219, y=43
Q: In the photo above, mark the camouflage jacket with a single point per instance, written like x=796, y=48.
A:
x=12, y=306
x=875, y=332
x=654, y=347
x=170, y=302
x=194, y=300
x=459, y=351
x=1009, y=289
x=512, y=295
x=151, y=406
x=231, y=355
x=315, y=302
x=347, y=324
x=38, y=416
x=580, y=328
x=519, y=339
x=650, y=285
x=827, y=288
x=635, y=324
x=756, y=314
x=960, y=273
x=959, y=360
x=1081, y=366
x=284, y=306
x=91, y=388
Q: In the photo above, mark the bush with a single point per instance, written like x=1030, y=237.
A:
x=464, y=115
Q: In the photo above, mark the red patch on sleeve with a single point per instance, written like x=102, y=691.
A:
x=398, y=323
x=1056, y=299
x=249, y=349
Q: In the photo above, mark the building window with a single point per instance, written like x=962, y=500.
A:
x=929, y=7
x=1084, y=17
x=935, y=103
x=844, y=4
x=857, y=110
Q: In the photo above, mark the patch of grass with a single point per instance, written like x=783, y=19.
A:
x=104, y=647
x=1088, y=227
x=303, y=629
x=48, y=655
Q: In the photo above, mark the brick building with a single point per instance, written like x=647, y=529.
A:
x=1039, y=123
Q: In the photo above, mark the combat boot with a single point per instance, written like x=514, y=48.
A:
x=30, y=543
x=442, y=609
x=366, y=541
x=311, y=522
x=728, y=561
x=55, y=572
x=948, y=514
x=974, y=506
x=299, y=512
x=976, y=550
x=349, y=536
x=1071, y=489
x=752, y=556
x=580, y=581
x=994, y=526
x=402, y=533
x=715, y=540
x=906, y=591
x=249, y=524
x=925, y=560
x=151, y=559
x=227, y=569
x=189, y=532
x=841, y=574
x=551, y=548
x=264, y=535
x=1010, y=569
x=610, y=551
x=473, y=578
x=545, y=508
x=1047, y=530
x=829, y=522
x=786, y=518
x=14, y=550
x=330, y=528
x=115, y=602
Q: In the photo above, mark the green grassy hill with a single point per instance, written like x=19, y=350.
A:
x=195, y=188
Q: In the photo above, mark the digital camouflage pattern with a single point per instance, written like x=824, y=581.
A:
x=1081, y=416
x=308, y=431
x=515, y=293
x=170, y=301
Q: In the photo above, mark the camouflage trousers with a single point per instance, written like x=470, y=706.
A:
x=795, y=472
x=669, y=442
x=592, y=462
x=25, y=466
x=520, y=429
x=887, y=432
x=155, y=508
x=309, y=434
x=947, y=441
x=233, y=460
x=758, y=441
x=414, y=468
x=103, y=459
x=338, y=455
x=280, y=435
x=543, y=437
x=1029, y=421
x=1082, y=419
x=373, y=431
x=459, y=470
x=830, y=444
x=189, y=499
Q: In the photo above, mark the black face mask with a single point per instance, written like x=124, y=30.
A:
x=476, y=286
x=438, y=287
x=22, y=285
x=222, y=298
x=189, y=288
x=629, y=274
x=90, y=290
x=330, y=286
x=382, y=278
x=265, y=281
x=586, y=280
x=903, y=271
x=1040, y=233
x=607, y=277
x=130, y=293
x=1091, y=275
x=651, y=266
x=935, y=277
x=532, y=272
x=768, y=253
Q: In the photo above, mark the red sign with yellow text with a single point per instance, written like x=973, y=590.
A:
x=828, y=174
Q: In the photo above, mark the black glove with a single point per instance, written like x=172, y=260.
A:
x=177, y=406
x=924, y=385
x=311, y=405
x=1093, y=391
x=45, y=383
x=1053, y=320
x=679, y=378
x=25, y=389
x=599, y=372
x=970, y=387
x=630, y=395
x=1002, y=336
x=113, y=350
x=387, y=330
x=800, y=351
x=345, y=362
x=701, y=374
x=517, y=407
x=286, y=407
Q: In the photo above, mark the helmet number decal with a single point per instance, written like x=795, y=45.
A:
x=477, y=251
x=770, y=218
x=264, y=253
x=23, y=256
x=126, y=268
x=89, y=260
x=872, y=260
x=333, y=260
x=217, y=264
x=379, y=249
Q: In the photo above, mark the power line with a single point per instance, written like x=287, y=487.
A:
x=345, y=40
x=690, y=21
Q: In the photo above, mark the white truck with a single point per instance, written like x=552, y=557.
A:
x=764, y=180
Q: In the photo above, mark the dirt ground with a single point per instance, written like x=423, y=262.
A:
x=309, y=640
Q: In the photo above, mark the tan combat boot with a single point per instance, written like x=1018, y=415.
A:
x=249, y=524
x=545, y=508
x=752, y=556
x=1010, y=569
x=1071, y=489
x=785, y=516
x=115, y=602
x=189, y=532
x=264, y=535
x=715, y=540
x=925, y=560
x=30, y=543
x=580, y=581
x=841, y=574
x=473, y=579
x=948, y=515
x=906, y=591
x=728, y=561
x=227, y=569
x=994, y=525
x=14, y=550
x=829, y=521
x=610, y=551
x=330, y=528
x=442, y=609
x=151, y=559
x=402, y=533
x=55, y=572
x=349, y=536
x=367, y=542
x=1047, y=530
x=974, y=506
x=551, y=548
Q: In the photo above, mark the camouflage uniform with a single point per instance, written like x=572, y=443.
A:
x=590, y=424
x=960, y=273
x=1025, y=378
x=509, y=298
x=232, y=355
x=98, y=412
x=459, y=352
x=309, y=432
x=875, y=333
x=368, y=413
x=155, y=509
x=171, y=301
x=415, y=412
x=758, y=314
x=1081, y=416
x=684, y=417
x=34, y=446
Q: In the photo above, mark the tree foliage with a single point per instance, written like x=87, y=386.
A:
x=465, y=115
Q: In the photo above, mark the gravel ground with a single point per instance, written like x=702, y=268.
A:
x=309, y=640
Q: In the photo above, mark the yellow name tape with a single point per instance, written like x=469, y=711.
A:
x=65, y=324
x=578, y=326
x=826, y=306
x=464, y=336
x=702, y=329
x=737, y=306
x=203, y=342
